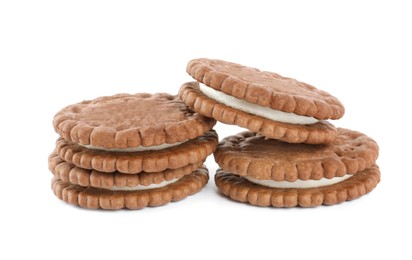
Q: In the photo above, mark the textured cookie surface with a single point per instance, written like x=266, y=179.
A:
x=253, y=155
x=266, y=89
x=94, y=198
x=128, y=121
x=189, y=152
x=240, y=189
x=68, y=172
x=319, y=133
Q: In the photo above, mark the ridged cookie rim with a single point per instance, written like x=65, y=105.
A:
x=94, y=198
x=239, y=189
x=71, y=129
x=174, y=157
x=327, y=107
x=321, y=132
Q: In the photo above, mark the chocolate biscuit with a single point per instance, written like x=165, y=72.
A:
x=242, y=190
x=254, y=155
x=128, y=121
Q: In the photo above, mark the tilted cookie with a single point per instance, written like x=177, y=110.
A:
x=130, y=121
x=136, y=197
x=285, y=168
x=132, y=162
x=264, y=102
x=68, y=172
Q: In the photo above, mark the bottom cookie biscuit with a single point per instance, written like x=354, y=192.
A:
x=240, y=189
x=95, y=198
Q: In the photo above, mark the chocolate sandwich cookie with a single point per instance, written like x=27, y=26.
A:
x=268, y=172
x=264, y=102
x=68, y=172
x=131, y=161
x=136, y=197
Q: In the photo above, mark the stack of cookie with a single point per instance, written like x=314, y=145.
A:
x=130, y=151
x=291, y=156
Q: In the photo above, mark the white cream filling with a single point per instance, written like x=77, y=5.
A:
x=143, y=187
x=254, y=109
x=299, y=184
x=134, y=149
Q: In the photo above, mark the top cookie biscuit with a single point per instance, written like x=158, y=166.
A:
x=129, y=121
x=253, y=155
x=266, y=89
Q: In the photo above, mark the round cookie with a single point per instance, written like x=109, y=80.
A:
x=68, y=172
x=253, y=155
x=240, y=189
x=264, y=102
x=130, y=121
x=268, y=172
x=266, y=89
x=95, y=198
x=175, y=157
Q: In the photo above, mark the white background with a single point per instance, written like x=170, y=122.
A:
x=54, y=53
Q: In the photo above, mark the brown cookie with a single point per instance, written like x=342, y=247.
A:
x=95, y=198
x=240, y=189
x=321, y=132
x=253, y=155
x=266, y=89
x=128, y=121
x=175, y=157
x=68, y=172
